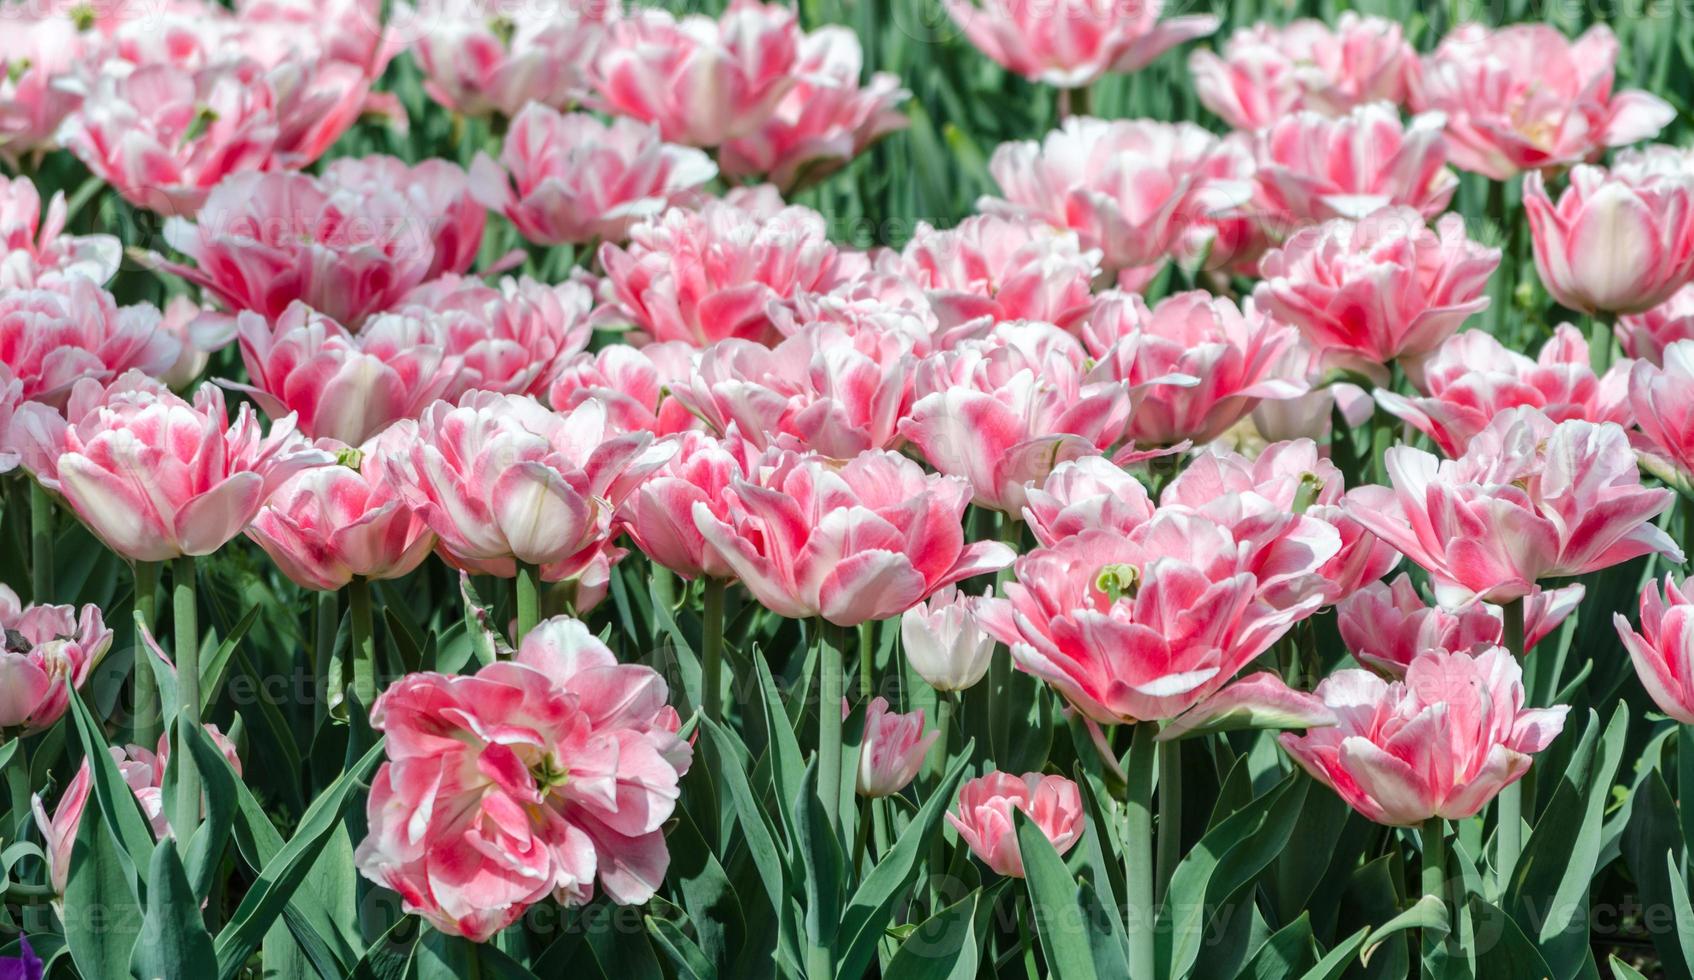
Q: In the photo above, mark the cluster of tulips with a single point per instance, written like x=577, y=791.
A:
x=1154, y=534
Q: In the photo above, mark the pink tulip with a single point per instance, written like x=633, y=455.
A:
x=46, y=647
x=634, y=383
x=1131, y=188
x=661, y=512
x=39, y=55
x=1524, y=98
x=143, y=771
x=67, y=328
x=1267, y=72
x=1083, y=494
x=1259, y=701
x=834, y=393
x=1617, y=243
x=351, y=32
x=501, y=479
x=1530, y=499
x=1377, y=290
x=1143, y=626
x=262, y=241
x=534, y=776
x=710, y=274
x=1659, y=400
x=892, y=751
x=480, y=58
x=163, y=136
x=824, y=120
x=1473, y=377
x=36, y=246
x=853, y=541
x=1441, y=743
x=1386, y=624
x=1661, y=651
x=942, y=641
x=440, y=194
x=1647, y=335
x=574, y=179
x=1294, y=478
x=153, y=476
x=342, y=386
x=512, y=336
x=703, y=82
x=1310, y=416
x=329, y=524
x=1002, y=412
x=1313, y=168
x=1234, y=353
x=1072, y=43
x=1002, y=269
x=984, y=819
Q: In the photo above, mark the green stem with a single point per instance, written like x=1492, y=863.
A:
x=1434, y=870
x=1508, y=835
x=17, y=786
x=148, y=712
x=1000, y=663
x=527, y=586
x=861, y=838
x=327, y=614
x=1600, y=340
x=40, y=543
x=867, y=660
x=711, y=649
x=1685, y=796
x=1170, y=815
x=831, y=639
x=936, y=765
x=364, y=641
x=1138, y=852
x=186, y=618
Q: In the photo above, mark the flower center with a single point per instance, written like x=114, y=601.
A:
x=1118, y=581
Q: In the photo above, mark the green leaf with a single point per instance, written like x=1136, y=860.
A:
x=1286, y=953
x=1052, y=892
x=1623, y=971
x=439, y=956
x=1651, y=837
x=690, y=962
x=1336, y=961
x=269, y=895
x=122, y=814
x=872, y=905
x=174, y=942
x=102, y=917
x=947, y=945
x=822, y=859
x=710, y=899
x=213, y=668
x=787, y=764
x=596, y=947
x=390, y=957
x=1503, y=949
x=1427, y=913
x=755, y=826
x=206, y=850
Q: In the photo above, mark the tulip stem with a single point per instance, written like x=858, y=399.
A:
x=1434, y=871
x=527, y=586
x=1508, y=836
x=185, y=615
x=1600, y=341
x=364, y=641
x=867, y=660
x=711, y=649
x=831, y=639
x=325, y=668
x=1170, y=815
x=1138, y=851
x=1685, y=796
x=148, y=712
x=40, y=543
x=936, y=764
x=17, y=784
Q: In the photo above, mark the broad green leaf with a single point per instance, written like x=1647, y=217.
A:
x=710, y=899
x=113, y=797
x=822, y=860
x=1335, y=962
x=390, y=957
x=1053, y=891
x=213, y=667
x=1503, y=949
x=173, y=942
x=102, y=916
x=1651, y=837
x=439, y=956
x=595, y=947
x=947, y=945
x=690, y=962
x=1286, y=953
x=755, y=826
x=1427, y=913
x=206, y=850
x=1623, y=971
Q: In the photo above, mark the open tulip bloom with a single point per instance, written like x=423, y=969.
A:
x=835, y=489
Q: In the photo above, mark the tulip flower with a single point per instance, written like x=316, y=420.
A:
x=1615, y=243
x=1234, y=353
x=1530, y=499
x=440, y=194
x=1660, y=651
x=1312, y=168
x=892, y=751
x=1002, y=269
x=823, y=121
x=67, y=328
x=1082, y=494
x=1383, y=288
x=155, y=477
x=1473, y=377
x=984, y=817
x=46, y=647
x=632, y=382
x=854, y=541
x=703, y=82
x=36, y=245
x=326, y=525
x=1441, y=743
x=1143, y=626
x=942, y=641
x=1386, y=624
x=1130, y=188
x=1646, y=335
x=546, y=773
x=42, y=53
x=481, y=59
x=660, y=514
x=660, y=283
x=1072, y=43
x=1267, y=72
x=1658, y=398
x=1523, y=98
x=574, y=179
x=512, y=336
